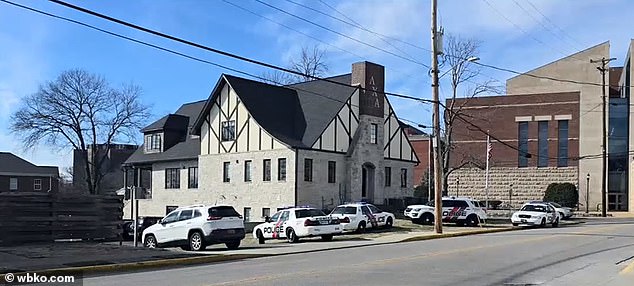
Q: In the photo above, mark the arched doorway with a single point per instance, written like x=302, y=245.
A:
x=367, y=182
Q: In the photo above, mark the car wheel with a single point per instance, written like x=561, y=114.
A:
x=472, y=220
x=150, y=241
x=428, y=219
x=556, y=223
x=196, y=242
x=233, y=244
x=361, y=227
x=543, y=223
x=561, y=215
x=291, y=236
x=326, y=237
x=389, y=223
x=260, y=237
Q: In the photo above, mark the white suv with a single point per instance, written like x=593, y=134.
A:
x=459, y=210
x=195, y=227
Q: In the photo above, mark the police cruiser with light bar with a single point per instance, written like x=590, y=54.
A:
x=459, y=210
x=295, y=223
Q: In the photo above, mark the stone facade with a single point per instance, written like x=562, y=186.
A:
x=526, y=183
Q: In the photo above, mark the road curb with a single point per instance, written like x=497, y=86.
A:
x=458, y=234
x=124, y=267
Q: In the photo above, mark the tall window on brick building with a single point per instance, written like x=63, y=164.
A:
x=562, y=142
x=542, y=143
x=522, y=139
x=332, y=171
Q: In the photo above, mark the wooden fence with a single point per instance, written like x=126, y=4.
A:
x=44, y=217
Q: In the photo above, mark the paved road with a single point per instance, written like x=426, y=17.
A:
x=587, y=254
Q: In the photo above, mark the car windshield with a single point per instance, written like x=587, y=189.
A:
x=308, y=213
x=556, y=205
x=344, y=210
x=534, y=208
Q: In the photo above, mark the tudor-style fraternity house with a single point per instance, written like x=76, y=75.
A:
x=263, y=147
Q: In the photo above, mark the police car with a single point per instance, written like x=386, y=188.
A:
x=536, y=213
x=359, y=216
x=459, y=210
x=295, y=223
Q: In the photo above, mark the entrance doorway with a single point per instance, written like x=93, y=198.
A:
x=367, y=182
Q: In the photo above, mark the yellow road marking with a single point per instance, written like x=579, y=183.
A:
x=628, y=270
x=399, y=259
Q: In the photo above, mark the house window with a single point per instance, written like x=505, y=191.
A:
x=169, y=209
x=247, y=171
x=225, y=172
x=388, y=176
x=522, y=137
x=37, y=184
x=172, y=178
x=13, y=184
x=562, y=141
x=193, y=178
x=373, y=131
x=542, y=144
x=266, y=212
x=332, y=171
x=228, y=132
x=247, y=214
x=281, y=169
x=403, y=178
x=153, y=142
x=308, y=170
x=266, y=176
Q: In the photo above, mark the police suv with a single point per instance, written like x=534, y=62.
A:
x=459, y=210
x=359, y=216
x=295, y=223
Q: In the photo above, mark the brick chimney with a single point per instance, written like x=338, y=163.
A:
x=371, y=77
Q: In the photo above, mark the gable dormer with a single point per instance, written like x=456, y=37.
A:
x=165, y=133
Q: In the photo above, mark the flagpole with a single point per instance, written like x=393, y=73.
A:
x=486, y=175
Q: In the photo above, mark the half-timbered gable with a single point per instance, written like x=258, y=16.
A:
x=396, y=145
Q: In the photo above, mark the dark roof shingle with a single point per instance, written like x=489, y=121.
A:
x=10, y=163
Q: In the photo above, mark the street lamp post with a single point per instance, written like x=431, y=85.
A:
x=511, y=198
x=587, y=192
x=457, y=186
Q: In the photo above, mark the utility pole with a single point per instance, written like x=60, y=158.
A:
x=604, y=62
x=435, y=98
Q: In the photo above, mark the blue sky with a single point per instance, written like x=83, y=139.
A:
x=36, y=48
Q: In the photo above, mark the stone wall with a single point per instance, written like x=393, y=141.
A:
x=527, y=183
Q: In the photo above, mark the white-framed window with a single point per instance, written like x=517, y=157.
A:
x=153, y=142
x=247, y=171
x=228, y=132
x=37, y=184
x=226, y=177
x=281, y=169
x=13, y=184
x=373, y=131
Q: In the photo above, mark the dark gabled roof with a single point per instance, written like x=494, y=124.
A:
x=295, y=114
x=181, y=120
x=320, y=102
x=10, y=163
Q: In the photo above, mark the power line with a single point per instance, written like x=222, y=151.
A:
x=519, y=27
x=214, y=50
x=177, y=53
x=336, y=32
x=541, y=23
x=300, y=32
x=354, y=24
x=553, y=24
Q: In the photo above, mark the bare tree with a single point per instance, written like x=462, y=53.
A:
x=459, y=56
x=81, y=110
x=310, y=63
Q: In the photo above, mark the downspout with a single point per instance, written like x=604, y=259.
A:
x=50, y=183
x=296, y=172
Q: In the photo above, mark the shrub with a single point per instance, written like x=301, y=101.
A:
x=565, y=194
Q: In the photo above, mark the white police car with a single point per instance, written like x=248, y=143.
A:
x=359, y=216
x=536, y=214
x=295, y=223
x=459, y=210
